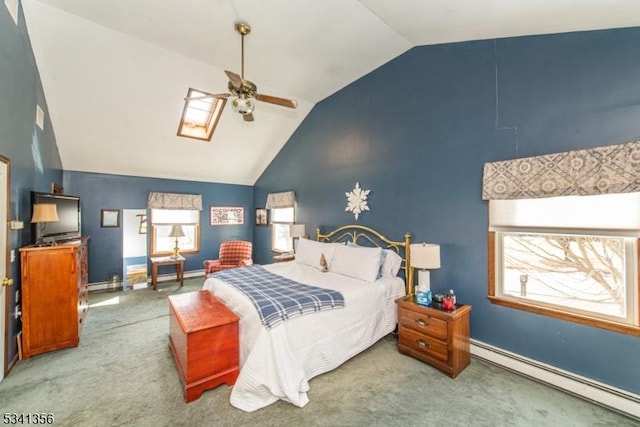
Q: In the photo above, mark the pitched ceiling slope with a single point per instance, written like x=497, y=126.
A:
x=115, y=72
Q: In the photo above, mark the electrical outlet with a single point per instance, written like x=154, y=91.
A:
x=17, y=297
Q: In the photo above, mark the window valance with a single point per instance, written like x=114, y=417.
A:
x=285, y=199
x=601, y=170
x=175, y=201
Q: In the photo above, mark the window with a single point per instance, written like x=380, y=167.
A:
x=574, y=258
x=281, y=220
x=161, y=222
x=282, y=206
x=200, y=115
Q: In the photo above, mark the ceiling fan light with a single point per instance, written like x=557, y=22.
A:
x=243, y=105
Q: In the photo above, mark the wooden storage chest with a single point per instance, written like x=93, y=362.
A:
x=203, y=336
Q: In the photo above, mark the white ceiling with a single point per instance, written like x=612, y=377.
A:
x=115, y=72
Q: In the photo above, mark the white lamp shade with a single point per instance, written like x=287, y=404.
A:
x=176, y=231
x=425, y=255
x=297, y=230
x=44, y=212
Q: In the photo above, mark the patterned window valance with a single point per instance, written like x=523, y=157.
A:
x=601, y=170
x=286, y=199
x=175, y=201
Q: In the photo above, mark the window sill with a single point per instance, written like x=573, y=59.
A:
x=571, y=317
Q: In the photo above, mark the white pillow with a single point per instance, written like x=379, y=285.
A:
x=359, y=262
x=391, y=264
x=390, y=261
x=309, y=252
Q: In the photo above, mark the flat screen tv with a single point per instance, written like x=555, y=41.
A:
x=68, y=226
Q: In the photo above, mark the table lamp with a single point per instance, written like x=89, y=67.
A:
x=425, y=257
x=296, y=231
x=42, y=214
x=176, y=231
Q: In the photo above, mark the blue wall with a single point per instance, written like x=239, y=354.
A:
x=32, y=152
x=104, y=191
x=417, y=132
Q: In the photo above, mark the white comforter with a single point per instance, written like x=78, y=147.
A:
x=278, y=363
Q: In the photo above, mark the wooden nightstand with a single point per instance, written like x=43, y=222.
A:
x=436, y=336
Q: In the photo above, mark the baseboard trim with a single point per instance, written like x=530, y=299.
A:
x=613, y=398
x=102, y=286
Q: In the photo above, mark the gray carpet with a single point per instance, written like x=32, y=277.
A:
x=123, y=374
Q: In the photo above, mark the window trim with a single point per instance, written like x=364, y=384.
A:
x=505, y=301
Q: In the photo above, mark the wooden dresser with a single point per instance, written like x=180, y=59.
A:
x=203, y=337
x=436, y=336
x=55, y=296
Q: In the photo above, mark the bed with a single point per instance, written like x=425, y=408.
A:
x=278, y=360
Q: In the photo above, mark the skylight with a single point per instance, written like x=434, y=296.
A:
x=200, y=116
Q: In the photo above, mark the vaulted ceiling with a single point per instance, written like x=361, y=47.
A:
x=115, y=73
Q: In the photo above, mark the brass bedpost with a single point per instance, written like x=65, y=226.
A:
x=408, y=271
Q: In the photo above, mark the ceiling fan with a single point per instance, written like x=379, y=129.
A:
x=202, y=110
x=245, y=91
x=242, y=92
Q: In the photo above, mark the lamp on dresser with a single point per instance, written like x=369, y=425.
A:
x=424, y=257
x=176, y=232
x=42, y=214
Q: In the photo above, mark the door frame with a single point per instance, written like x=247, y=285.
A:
x=4, y=308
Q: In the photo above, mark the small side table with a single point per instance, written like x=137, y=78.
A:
x=162, y=261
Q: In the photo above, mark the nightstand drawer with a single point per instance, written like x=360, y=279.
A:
x=423, y=323
x=424, y=344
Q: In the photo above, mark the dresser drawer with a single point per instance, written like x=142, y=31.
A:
x=424, y=344
x=423, y=324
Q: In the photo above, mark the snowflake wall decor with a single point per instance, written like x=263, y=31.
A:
x=357, y=201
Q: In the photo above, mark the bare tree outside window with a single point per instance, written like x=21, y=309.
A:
x=572, y=271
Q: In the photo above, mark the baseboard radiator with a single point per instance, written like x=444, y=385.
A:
x=610, y=397
x=101, y=286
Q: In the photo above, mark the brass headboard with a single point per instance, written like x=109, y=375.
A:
x=355, y=233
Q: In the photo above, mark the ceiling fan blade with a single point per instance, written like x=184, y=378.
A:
x=235, y=79
x=290, y=103
x=248, y=117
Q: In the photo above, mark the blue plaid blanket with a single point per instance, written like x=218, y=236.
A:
x=277, y=298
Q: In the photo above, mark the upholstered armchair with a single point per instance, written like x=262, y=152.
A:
x=233, y=253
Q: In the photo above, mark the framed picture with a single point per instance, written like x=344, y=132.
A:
x=262, y=217
x=226, y=215
x=110, y=218
x=56, y=189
